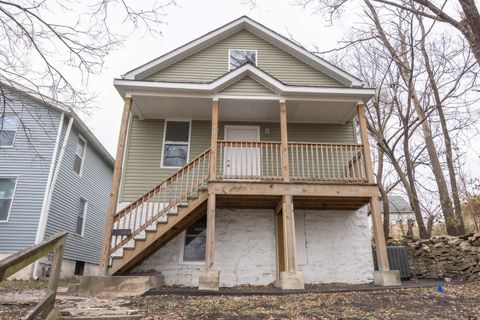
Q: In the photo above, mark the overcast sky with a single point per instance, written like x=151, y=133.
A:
x=189, y=20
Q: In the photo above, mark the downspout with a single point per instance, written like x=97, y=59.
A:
x=42, y=226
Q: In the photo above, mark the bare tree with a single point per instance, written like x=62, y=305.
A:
x=466, y=20
x=55, y=46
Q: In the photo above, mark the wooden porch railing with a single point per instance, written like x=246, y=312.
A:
x=249, y=160
x=262, y=160
x=326, y=162
x=20, y=260
x=144, y=212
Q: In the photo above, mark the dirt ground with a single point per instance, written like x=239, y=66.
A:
x=458, y=301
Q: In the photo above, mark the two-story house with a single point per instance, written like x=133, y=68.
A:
x=54, y=176
x=243, y=159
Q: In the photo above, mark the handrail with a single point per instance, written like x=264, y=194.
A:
x=21, y=259
x=162, y=199
x=308, y=161
x=135, y=203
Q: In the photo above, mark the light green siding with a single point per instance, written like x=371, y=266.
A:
x=142, y=169
x=247, y=86
x=212, y=62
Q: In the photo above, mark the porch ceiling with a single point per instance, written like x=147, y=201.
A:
x=264, y=109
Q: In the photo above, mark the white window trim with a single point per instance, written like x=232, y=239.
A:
x=16, y=131
x=13, y=196
x=85, y=210
x=164, y=136
x=234, y=126
x=182, y=250
x=229, y=55
x=80, y=137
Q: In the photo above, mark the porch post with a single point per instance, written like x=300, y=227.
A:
x=213, y=146
x=384, y=276
x=209, y=279
x=284, y=139
x=290, y=277
x=362, y=121
x=117, y=173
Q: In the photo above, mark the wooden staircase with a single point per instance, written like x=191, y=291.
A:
x=155, y=218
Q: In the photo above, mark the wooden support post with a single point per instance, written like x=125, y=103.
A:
x=288, y=222
x=210, y=238
x=284, y=139
x=280, y=243
x=117, y=174
x=366, y=146
x=56, y=267
x=380, y=246
x=213, y=154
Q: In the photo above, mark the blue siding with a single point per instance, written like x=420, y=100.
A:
x=30, y=160
x=94, y=185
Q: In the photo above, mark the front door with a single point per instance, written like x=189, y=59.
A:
x=242, y=160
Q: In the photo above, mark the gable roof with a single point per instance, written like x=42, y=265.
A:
x=123, y=85
x=52, y=103
x=243, y=23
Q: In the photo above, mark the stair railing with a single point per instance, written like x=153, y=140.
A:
x=165, y=198
x=21, y=259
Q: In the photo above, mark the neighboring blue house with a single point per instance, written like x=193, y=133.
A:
x=54, y=176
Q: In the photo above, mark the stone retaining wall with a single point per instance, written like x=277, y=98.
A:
x=444, y=257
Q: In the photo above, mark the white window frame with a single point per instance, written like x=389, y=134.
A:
x=80, y=137
x=182, y=251
x=13, y=196
x=165, y=135
x=16, y=131
x=85, y=210
x=229, y=55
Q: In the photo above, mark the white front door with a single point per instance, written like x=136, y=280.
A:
x=242, y=161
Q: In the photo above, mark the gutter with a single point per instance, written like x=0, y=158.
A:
x=55, y=169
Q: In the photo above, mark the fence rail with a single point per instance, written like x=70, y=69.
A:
x=20, y=260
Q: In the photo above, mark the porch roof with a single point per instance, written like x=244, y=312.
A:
x=193, y=100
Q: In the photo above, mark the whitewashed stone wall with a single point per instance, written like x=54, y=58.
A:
x=333, y=246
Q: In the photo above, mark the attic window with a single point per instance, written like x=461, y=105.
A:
x=238, y=57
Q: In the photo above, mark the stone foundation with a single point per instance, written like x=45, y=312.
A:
x=444, y=257
x=332, y=246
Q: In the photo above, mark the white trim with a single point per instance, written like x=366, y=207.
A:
x=16, y=130
x=13, y=194
x=257, y=29
x=41, y=233
x=84, y=152
x=162, y=166
x=234, y=126
x=132, y=86
x=84, y=222
x=42, y=224
x=182, y=251
x=230, y=54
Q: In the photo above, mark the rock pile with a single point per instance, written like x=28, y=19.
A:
x=443, y=257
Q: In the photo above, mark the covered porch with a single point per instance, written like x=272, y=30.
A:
x=282, y=173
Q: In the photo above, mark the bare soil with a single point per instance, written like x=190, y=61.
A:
x=458, y=301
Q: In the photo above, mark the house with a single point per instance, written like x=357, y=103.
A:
x=54, y=176
x=401, y=214
x=239, y=163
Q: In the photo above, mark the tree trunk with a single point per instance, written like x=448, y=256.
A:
x=470, y=25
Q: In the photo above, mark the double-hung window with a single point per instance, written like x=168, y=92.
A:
x=8, y=129
x=195, y=239
x=238, y=58
x=175, y=145
x=79, y=155
x=7, y=189
x=81, y=214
